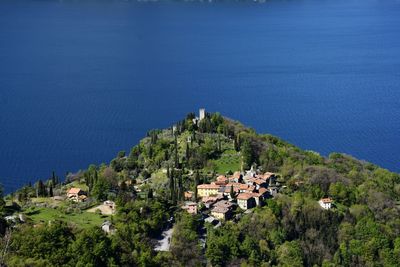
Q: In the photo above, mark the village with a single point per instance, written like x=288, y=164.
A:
x=220, y=199
x=226, y=198
x=229, y=196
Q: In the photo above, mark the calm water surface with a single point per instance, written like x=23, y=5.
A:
x=81, y=80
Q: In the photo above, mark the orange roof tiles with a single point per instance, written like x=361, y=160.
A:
x=208, y=186
x=74, y=190
x=259, y=181
x=243, y=186
x=262, y=190
x=267, y=175
x=244, y=196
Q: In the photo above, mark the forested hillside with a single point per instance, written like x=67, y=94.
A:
x=148, y=184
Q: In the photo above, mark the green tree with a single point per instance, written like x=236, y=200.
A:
x=100, y=189
x=248, y=155
x=290, y=255
x=232, y=192
x=185, y=247
x=196, y=183
x=93, y=248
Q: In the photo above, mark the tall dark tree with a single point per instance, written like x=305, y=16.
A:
x=176, y=157
x=187, y=152
x=219, y=146
x=53, y=178
x=51, y=190
x=180, y=187
x=196, y=183
x=236, y=142
x=40, y=189
x=232, y=193
x=171, y=184
x=150, y=194
x=248, y=154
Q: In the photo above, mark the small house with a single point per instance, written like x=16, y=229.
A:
x=188, y=195
x=222, y=210
x=325, y=203
x=110, y=204
x=221, y=213
x=107, y=227
x=76, y=194
x=190, y=207
x=246, y=201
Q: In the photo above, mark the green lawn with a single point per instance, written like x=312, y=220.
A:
x=81, y=220
x=229, y=161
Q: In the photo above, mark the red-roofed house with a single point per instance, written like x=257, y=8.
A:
x=245, y=201
x=209, y=201
x=222, y=210
x=220, y=213
x=76, y=194
x=325, y=203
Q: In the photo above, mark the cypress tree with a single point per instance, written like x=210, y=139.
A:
x=187, y=152
x=37, y=185
x=219, y=143
x=196, y=183
x=89, y=180
x=176, y=152
x=180, y=188
x=232, y=193
x=150, y=194
x=53, y=178
x=96, y=177
x=171, y=185
x=51, y=191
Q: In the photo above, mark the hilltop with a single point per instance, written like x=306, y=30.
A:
x=232, y=197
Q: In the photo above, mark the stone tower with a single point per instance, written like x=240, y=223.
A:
x=202, y=112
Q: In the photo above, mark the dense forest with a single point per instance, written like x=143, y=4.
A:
x=291, y=229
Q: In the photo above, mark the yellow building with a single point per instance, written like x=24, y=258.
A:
x=205, y=190
x=220, y=213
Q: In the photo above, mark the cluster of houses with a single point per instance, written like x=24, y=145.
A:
x=223, y=195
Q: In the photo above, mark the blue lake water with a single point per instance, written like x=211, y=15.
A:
x=81, y=80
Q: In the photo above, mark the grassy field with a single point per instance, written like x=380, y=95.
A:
x=229, y=161
x=81, y=220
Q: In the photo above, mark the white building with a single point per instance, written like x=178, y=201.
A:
x=325, y=203
x=107, y=227
x=202, y=113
